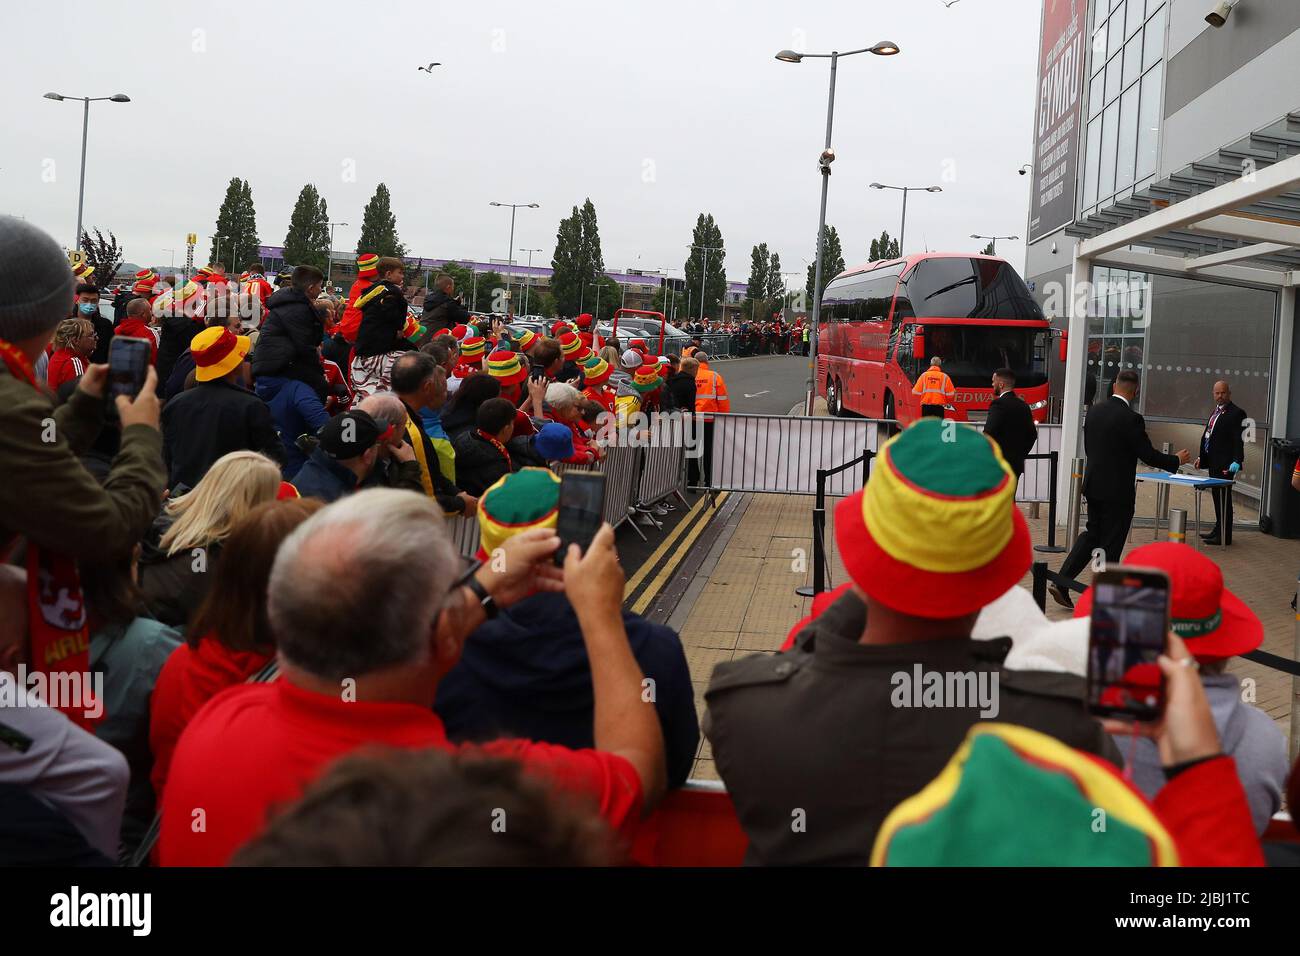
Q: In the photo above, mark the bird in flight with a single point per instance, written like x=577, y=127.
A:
x=429, y=68
x=949, y=3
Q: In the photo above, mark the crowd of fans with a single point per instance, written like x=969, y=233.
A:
x=298, y=667
x=751, y=336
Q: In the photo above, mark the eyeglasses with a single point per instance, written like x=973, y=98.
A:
x=469, y=568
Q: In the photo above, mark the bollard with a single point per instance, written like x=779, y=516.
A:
x=1178, y=525
x=1076, y=492
x=1039, y=571
x=1051, y=547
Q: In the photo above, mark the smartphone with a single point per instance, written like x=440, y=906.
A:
x=582, y=510
x=1129, y=631
x=128, y=366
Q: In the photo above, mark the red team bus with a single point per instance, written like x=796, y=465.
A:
x=881, y=324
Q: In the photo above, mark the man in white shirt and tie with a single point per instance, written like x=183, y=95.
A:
x=1222, y=453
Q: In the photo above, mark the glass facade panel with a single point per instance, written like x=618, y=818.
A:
x=1149, y=122
x=1153, y=42
x=1109, y=130
x=1090, y=162
x=1128, y=125
x=1114, y=77
x=1123, y=151
x=1132, y=61
x=1200, y=332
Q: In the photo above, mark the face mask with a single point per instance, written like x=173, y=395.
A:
x=89, y=308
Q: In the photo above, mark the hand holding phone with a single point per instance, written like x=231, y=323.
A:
x=1128, y=633
x=582, y=507
x=128, y=366
x=1187, y=730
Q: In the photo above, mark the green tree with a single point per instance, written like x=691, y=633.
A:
x=988, y=250
x=379, y=226
x=307, y=242
x=832, y=264
x=775, y=292
x=102, y=255
x=488, y=292
x=237, y=225
x=577, y=261
x=759, y=264
x=592, y=257
x=710, y=267
x=884, y=248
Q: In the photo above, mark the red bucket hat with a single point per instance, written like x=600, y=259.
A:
x=936, y=532
x=506, y=368
x=1211, y=620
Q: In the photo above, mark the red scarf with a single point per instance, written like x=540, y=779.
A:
x=499, y=447
x=56, y=612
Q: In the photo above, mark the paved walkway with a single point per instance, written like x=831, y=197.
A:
x=747, y=602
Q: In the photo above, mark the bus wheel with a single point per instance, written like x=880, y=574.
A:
x=890, y=413
x=833, y=404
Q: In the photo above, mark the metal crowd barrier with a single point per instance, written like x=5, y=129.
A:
x=781, y=454
x=663, y=471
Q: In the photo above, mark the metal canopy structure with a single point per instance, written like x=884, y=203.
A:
x=1233, y=216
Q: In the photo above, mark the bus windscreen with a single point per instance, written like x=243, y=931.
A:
x=971, y=354
x=952, y=287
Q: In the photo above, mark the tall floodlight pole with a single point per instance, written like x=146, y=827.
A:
x=510, y=259
x=994, y=240
x=528, y=279
x=883, y=48
x=704, y=274
x=329, y=267
x=902, y=230
x=85, y=130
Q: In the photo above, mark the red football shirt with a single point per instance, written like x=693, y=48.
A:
x=190, y=677
x=257, y=746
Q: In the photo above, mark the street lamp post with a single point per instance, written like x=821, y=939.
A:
x=994, y=240
x=173, y=253
x=704, y=274
x=329, y=264
x=902, y=231
x=883, y=48
x=528, y=279
x=510, y=259
x=85, y=129
x=216, y=253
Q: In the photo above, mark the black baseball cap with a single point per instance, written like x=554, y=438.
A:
x=349, y=435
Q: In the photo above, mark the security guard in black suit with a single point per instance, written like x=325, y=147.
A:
x=1223, y=451
x=1114, y=439
x=1010, y=423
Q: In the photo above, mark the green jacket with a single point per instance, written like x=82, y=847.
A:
x=47, y=495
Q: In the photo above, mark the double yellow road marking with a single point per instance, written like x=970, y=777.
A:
x=695, y=523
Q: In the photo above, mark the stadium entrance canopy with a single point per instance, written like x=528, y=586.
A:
x=1234, y=216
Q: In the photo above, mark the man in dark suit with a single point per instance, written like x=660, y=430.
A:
x=1222, y=454
x=1114, y=439
x=1010, y=422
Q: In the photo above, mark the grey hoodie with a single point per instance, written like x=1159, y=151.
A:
x=1248, y=735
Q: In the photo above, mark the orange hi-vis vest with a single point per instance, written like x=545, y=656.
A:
x=710, y=391
x=934, y=387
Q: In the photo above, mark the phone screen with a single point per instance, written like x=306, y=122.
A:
x=128, y=366
x=582, y=504
x=1129, y=631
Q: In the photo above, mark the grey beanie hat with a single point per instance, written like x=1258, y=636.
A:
x=36, y=282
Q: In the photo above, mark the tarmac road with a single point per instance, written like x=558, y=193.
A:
x=776, y=382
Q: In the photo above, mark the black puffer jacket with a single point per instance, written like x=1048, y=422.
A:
x=383, y=316
x=441, y=311
x=286, y=346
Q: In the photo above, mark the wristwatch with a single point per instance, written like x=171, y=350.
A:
x=484, y=599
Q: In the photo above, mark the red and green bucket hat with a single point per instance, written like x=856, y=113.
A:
x=936, y=532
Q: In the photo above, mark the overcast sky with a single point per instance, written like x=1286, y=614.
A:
x=657, y=111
